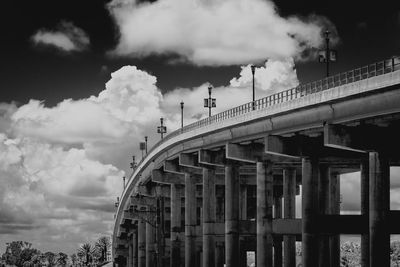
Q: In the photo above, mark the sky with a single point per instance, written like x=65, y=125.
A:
x=84, y=81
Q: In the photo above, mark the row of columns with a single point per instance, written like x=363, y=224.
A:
x=320, y=196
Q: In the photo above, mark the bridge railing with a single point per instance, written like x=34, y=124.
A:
x=365, y=72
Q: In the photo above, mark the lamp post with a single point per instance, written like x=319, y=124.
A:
x=133, y=163
x=162, y=129
x=210, y=102
x=253, y=70
x=328, y=55
x=182, y=104
x=142, y=146
x=145, y=140
x=123, y=179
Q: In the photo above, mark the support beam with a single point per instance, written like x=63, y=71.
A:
x=208, y=217
x=219, y=254
x=323, y=199
x=264, y=213
x=175, y=226
x=379, y=207
x=135, y=248
x=150, y=243
x=245, y=153
x=289, y=209
x=161, y=177
x=364, y=170
x=309, y=212
x=130, y=251
x=278, y=238
x=232, y=188
x=141, y=243
x=190, y=221
x=213, y=158
x=334, y=209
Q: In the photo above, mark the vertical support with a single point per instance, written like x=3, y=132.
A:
x=150, y=242
x=130, y=251
x=232, y=188
x=243, y=202
x=141, y=243
x=323, y=199
x=379, y=206
x=219, y=254
x=364, y=168
x=278, y=238
x=309, y=211
x=208, y=217
x=190, y=221
x=135, y=248
x=175, y=226
x=334, y=209
x=264, y=213
x=289, y=212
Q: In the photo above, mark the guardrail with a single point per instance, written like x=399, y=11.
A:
x=362, y=73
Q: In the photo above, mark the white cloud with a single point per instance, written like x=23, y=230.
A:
x=67, y=37
x=224, y=32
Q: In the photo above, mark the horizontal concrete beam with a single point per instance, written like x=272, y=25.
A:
x=246, y=153
x=161, y=177
x=212, y=158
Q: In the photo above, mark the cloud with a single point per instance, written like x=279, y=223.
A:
x=223, y=32
x=67, y=37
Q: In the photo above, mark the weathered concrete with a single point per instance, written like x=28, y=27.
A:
x=141, y=243
x=135, y=248
x=364, y=169
x=309, y=212
x=334, y=209
x=175, y=226
x=289, y=212
x=232, y=189
x=379, y=205
x=208, y=217
x=278, y=238
x=264, y=213
x=323, y=198
x=130, y=253
x=219, y=254
x=190, y=221
x=150, y=243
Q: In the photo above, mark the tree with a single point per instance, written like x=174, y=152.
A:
x=19, y=253
x=102, y=246
x=62, y=259
x=74, y=259
x=51, y=258
x=86, y=252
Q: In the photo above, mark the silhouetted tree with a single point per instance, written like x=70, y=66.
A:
x=19, y=253
x=51, y=258
x=102, y=245
x=62, y=259
x=86, y=253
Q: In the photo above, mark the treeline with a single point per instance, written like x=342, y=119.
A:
x=22, y=254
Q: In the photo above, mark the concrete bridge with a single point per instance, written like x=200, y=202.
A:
x=211, y=192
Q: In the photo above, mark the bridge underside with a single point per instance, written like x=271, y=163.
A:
x=209, y=207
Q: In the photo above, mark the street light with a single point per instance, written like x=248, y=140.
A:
x=123, y=179
x=253, y=70
x=328, y=55
x=133, y=163
x=210, y=102
x=142, y=147
x=161, y=129
x=145, y=140
x=182, y=104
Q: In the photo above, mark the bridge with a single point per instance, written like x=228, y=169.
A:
x=211, y=192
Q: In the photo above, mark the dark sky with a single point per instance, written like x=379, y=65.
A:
x=369, y=31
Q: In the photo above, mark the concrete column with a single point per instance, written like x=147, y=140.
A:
x=208, y=217
x=219, y=254
x=150, y=244
x=175, y=226
x=289, y=212
x=309, y=212
x=243, y=202
x=379, y=208
x=364, y=169
x=142, y=243
x=264, y=213
x=232, y=188
x=323, y=199
x=190, y=221
x=130, y=251
x=278, y=238
x=334, y=208
x=134, y=248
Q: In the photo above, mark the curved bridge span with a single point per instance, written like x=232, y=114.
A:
x=223, y=186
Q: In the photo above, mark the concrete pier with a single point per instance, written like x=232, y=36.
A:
x=208, y=217
x=309, y=212
x=364, y=170
x=379, y=206
x=175, y=226
x=135, y=248
x=334, y=209
x=150, y=243
x=289, y=212
x=141, y=243
x=278, y=239
x=323, y=202
x=190, y=221
x=232, y=194
x=264, y=213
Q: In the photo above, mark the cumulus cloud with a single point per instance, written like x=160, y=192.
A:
x=66, y=37
x=213, y=33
